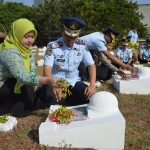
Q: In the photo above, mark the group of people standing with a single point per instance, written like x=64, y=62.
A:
x=20, y=86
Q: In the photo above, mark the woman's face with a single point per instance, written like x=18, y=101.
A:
x=110, y=46
x=28, y=39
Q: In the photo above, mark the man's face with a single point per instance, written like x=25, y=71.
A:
x=148, y=46
x=125, y=46
x=69, y=41
x=107, y=38
x=134, y=30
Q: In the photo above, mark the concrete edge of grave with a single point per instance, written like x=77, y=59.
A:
x=9, y=125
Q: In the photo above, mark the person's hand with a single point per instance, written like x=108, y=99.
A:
x=35, y=88
x=130, y=68
x=148, y=59
x=54, y=82
x=56, y=86
x=121, y=73
x=57, y=93
x=89, y=91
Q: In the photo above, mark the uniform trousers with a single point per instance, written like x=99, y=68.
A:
x=77, y=97
x=21, y=105
x=141, y=61
x=103, y=72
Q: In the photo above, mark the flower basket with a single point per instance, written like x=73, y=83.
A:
x=2, y=34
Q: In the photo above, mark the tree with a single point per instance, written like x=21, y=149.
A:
x=98, y=14
x=1, y=2
x=9, y=12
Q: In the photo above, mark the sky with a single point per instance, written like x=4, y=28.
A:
x=30, y=2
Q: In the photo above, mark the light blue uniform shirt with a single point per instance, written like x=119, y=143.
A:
x=145, y=52
x=65, y=61
x=134, y=37
x=124, y=54
x=95, y=41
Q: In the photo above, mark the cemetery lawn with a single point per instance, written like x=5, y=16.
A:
x=135, y=109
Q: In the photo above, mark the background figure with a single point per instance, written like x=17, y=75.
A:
x=144, y=54
x=124, y=54
x=105, y=68
x=134, y=35
x=98, y=41
x=18, y=80
x=134, y=47
x=63, y=57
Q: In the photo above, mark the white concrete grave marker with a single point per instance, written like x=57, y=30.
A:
x=40, y=62
x=42, y=49
x=101, y=126
x=41, y=53
x=139, y=85
x=9, y=125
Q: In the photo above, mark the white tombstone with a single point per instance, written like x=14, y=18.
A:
x=40, y=62
x=42, y=49
x=34, y=46
x=134, y=86
x=9, y=125
x=41, y=53
x=103, y=129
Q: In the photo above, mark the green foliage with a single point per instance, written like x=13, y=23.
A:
x=3, y=119
x=9, y=12
x=98, y=14
x=1, y=2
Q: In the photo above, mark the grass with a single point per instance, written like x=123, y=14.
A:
x=135, y=109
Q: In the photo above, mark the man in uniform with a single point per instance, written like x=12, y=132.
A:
x=144, y=54
x=134, y=35
x=124, y=53
x=63, y=57
x=98, y=40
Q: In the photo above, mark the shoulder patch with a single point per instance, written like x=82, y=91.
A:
x=54, y=45
x=79, y=41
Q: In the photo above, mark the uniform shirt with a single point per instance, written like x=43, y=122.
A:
x=65, y=61
x=145, y=52
x=134, y=37
x=12, y=66
x=103, y=59
x=95, y=41
x=124, y=54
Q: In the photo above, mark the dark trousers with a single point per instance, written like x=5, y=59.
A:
x=78, y=97
x=20, y=105
x=103, y=72
x=83, y=72
x=141, y=61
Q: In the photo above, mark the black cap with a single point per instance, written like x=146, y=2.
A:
x=124, y=42
x=128, y=37
x=72, y=25
x=111, y=32
x=133, y=27
x=148, y=42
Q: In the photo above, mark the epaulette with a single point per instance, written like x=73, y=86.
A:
x=79, y=41
x=54, y=45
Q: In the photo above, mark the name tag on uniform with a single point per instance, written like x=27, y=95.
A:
x=61, y=60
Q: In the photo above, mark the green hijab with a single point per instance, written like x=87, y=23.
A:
x=19, y=29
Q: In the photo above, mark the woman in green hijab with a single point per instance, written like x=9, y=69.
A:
x=18, y=73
